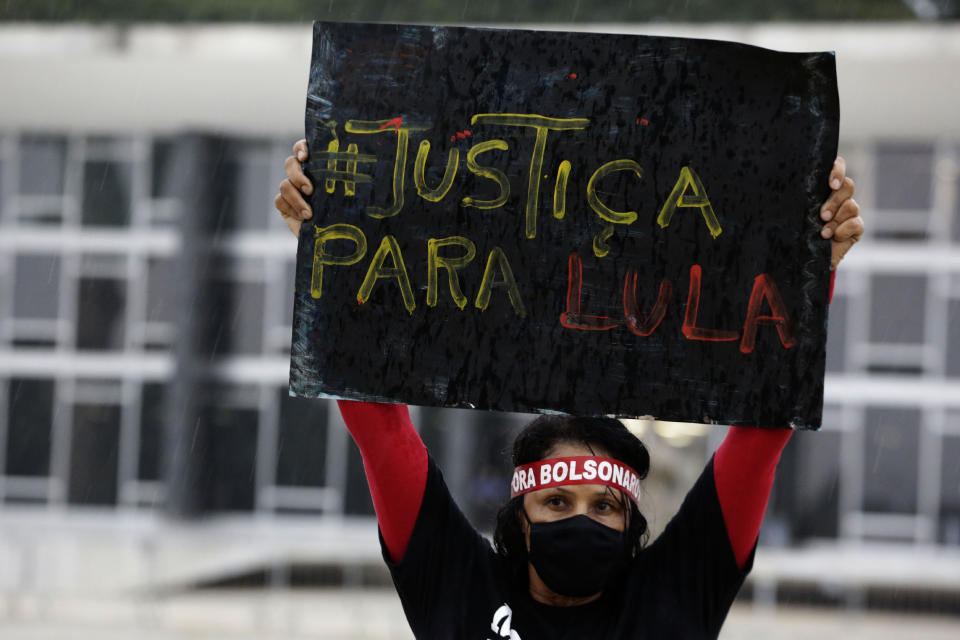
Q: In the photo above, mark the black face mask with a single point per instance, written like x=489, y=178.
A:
x=577, y=556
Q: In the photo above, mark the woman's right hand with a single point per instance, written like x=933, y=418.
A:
x=290, y=202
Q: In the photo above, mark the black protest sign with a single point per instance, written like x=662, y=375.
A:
x=551, y=221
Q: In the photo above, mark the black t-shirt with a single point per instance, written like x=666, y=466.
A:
x=453, y=586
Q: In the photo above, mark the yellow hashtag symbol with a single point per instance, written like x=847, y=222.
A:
x=332, y=173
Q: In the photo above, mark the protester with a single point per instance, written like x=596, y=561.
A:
x=569, y=559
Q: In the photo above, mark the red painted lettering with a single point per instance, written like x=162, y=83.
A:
x=764, y=288
x=573, y=318
x=690, y=328
x=631, y=310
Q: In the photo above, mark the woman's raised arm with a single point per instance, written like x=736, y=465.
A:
x=394, y=457
x=745, y=463
x=743, y=470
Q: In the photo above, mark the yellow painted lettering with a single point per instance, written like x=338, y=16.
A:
x=497, y=260
x=600, y=246
x=349, y=175
x=602, y=210
x=488, y=172
x=435, y=262
x=608, y=215
x=449, y=173
x=323, y=235
x=377, y=270
x=560, y=190
x=402, y=133
x=543, y=125
x=695, y=197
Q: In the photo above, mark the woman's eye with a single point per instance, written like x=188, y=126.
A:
x=555, y=501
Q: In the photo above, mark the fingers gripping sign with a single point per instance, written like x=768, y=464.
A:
x=841, y=214
x=290, y=202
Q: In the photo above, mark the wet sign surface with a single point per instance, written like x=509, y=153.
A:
x=550, y=221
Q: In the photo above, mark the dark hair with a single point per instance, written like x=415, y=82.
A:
x=533, y=444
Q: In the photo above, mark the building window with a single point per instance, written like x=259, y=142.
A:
x=36, y=299
x=106, y=193
x=949, y=530
x=302, y=441
x=904, y=189
x=891, y=459
x=162, y=175
x=229, y=452
x=161, y=290
x=836, y=334
x=29, y=426
x=816, y=482
x=279, y=305
x=161, y=303
x=247, y=322
x=94, y=447
x=153, y=416
x=898, y=304
x=36, y=286
x=43, y=176
x=356, y=501
x=43, y=165
x=164, y=207
x=249, y=201
x=236, y=320
x=100, y=314
x=904, y=173
x=953, y=338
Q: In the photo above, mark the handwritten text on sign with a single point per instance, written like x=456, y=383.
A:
x=551, y=221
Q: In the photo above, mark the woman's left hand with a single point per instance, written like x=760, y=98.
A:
x=841, y=214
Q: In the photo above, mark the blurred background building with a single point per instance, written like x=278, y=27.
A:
x=147, y=443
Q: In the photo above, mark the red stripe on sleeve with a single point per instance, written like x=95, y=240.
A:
x=743, y=471
x=395, y=462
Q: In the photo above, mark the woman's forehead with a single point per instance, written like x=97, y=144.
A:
x=568, y=448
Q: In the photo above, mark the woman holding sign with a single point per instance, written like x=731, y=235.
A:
x=570, y=558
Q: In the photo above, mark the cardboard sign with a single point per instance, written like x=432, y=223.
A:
x=551, y=221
